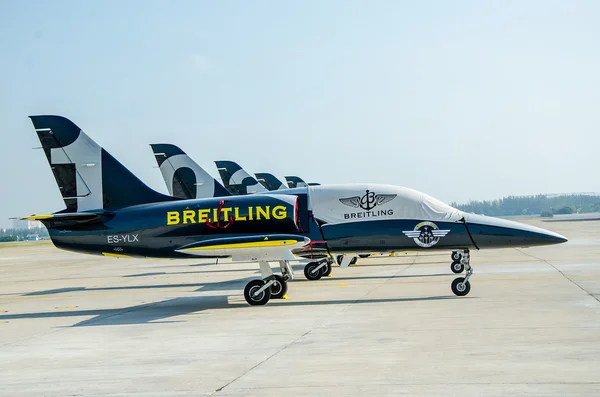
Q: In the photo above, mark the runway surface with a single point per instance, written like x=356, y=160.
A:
x=76, y=325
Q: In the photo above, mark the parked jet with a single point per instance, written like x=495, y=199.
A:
x=182, y=175
x=237, y=180
x=270, y=181
x=111, y=212
x=184, y=178
x=296, y=181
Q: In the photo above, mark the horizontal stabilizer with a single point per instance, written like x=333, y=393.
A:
x=68, y=218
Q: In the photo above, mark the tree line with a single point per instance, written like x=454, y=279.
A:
x=21, y=234
x=540, y=204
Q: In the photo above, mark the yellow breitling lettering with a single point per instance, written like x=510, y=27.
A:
x=265, y=213
x=203, y=215
x=250, y=213
x=215, y=215
x=237, y=216
x=225, y=212
x=188, y=216
x=173, y=218
x=279, y=212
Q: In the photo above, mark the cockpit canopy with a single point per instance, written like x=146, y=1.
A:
x=369, y=202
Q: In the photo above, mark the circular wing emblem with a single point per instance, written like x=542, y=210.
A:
x=426, y=234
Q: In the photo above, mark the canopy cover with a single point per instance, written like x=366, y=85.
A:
x=369, y=202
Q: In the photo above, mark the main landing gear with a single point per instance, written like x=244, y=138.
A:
x=316, y=270
x=354, y=259
x=271, y=286
x=461, y=260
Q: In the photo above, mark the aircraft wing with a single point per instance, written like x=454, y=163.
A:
x=268, y=247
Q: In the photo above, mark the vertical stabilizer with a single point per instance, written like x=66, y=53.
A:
x=183, y=176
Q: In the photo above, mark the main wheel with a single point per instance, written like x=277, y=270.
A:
x=310, y=273
x=339, y=259
x=353, y=261
x=456, y=256
x=279, y=288
x=250, y=291
x=459, y=287
x=457, y=267
x=326, y=270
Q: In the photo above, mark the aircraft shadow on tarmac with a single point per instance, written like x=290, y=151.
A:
x=212, y=286
x=195, y=272
x=159, y=312
x=335, y=278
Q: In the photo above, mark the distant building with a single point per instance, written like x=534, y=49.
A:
x=32, y=237
x=19, y=224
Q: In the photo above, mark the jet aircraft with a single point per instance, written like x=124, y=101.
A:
x=296, y=181
x=109, y=211
x=187, y=180
x=270, y=181
x=237, y=180
x=184, y=178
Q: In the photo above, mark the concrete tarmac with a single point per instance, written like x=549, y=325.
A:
x=77, y=325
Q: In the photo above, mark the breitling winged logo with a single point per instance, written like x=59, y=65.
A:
x=368, y=201
x=426, y=234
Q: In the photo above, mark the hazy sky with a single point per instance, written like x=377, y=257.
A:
x=462, y=100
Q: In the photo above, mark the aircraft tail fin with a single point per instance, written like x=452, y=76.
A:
x=88, y=177
x=236, y=180
x=295, y=181
x=183, y=176
x=270, y=181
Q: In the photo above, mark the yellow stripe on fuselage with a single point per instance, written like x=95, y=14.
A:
x=257, y=244
x=115, y=255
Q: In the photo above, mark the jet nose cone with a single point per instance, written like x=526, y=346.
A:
x=547, y=237
x=489, y=232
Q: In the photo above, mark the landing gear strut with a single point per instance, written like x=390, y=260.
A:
x=316, y=270
x=461, y=286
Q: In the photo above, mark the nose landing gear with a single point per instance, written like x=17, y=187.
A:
x=461, y=261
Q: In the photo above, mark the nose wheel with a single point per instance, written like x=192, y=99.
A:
x=459, y=260
x=457, y=267
x=460, y=287
x=456, y=256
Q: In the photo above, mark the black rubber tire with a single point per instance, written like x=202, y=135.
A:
x=339, y=259
x=459, y=287
x=457, y=267
x=456, y=256
x=309, y=272
x=260, y=300
x=326, y=270
x=364, y=255
x=353, y=261
x=279, y=289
